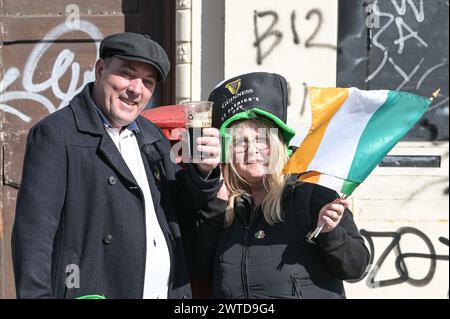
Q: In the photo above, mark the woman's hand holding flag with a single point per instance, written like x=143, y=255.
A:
x=331, y=214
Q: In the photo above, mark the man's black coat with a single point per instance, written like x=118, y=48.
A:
x=79, y=208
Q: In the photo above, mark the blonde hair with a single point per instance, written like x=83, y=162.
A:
x=273, y=181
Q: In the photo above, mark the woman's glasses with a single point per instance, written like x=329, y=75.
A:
x=241, y=145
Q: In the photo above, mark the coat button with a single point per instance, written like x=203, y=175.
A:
x=112, y=180
x=107, y=240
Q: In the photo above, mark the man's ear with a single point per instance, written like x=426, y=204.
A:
x=99, y=69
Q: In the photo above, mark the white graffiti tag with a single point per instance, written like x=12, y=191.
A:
x=401, y=25
x=64, y=61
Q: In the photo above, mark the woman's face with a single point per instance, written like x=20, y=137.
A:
x=251, y=152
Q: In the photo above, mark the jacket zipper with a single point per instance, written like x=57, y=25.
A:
x=296, y=288
x=244, y=257
x=244, y=264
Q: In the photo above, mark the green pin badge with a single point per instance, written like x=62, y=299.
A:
x=260, y=234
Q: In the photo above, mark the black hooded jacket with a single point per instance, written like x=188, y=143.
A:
x=252, y=259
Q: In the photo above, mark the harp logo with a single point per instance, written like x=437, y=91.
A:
x=234, y=86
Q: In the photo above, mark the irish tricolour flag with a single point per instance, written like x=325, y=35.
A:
x=351, y=131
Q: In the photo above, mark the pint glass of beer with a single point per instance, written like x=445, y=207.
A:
x=198, y=114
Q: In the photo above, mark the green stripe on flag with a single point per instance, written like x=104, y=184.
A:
x=387, y=126
x=348, y=187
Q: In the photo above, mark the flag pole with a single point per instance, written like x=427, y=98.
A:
x=320, y=225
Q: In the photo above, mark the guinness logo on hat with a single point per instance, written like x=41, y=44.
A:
x=234, y=86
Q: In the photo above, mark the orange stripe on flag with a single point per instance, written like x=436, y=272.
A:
x=325, y=102
x=310, y=177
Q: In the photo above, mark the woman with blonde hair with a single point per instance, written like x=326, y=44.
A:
x=260, y=249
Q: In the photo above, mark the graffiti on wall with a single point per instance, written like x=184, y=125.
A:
x=63, y=63
x=260, y=37
x=405, y=275
x=395, y=20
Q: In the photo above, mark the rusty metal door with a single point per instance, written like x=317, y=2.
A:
x=47, y=54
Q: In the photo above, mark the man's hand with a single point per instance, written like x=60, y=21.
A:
x=331, y=214
x=209, y=145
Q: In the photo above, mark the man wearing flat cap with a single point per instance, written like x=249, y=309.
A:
x=101, y=204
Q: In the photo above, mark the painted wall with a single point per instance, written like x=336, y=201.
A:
x=294, y=38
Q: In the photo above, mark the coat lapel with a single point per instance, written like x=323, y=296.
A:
x=88, y=121
x=152, y=160
x=112, y=155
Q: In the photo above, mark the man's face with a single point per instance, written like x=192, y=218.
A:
x=123, y=88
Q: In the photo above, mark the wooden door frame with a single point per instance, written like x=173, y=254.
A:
x=169, y=44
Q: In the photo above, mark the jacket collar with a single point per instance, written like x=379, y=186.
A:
x=88, y=120
x=244, y=203
x=243, y=208
x=149, y=136
x=86, y=116
x=291, y=182
x=132, y=126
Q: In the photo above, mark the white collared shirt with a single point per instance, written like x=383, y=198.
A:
x=157, y=265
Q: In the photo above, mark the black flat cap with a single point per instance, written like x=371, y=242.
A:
x=139, y=47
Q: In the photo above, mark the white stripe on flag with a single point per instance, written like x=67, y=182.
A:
x=331, y=182
x=344, y=131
